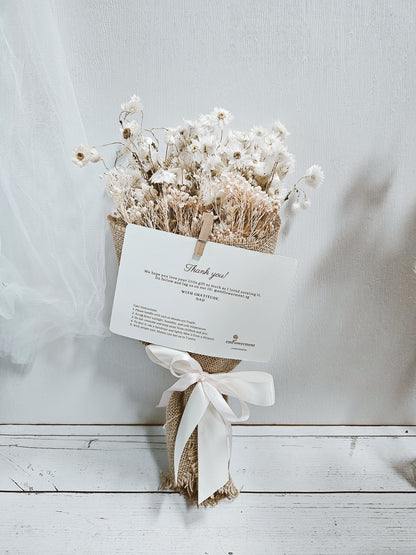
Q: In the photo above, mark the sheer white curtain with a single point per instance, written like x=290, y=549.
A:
x=52, y=278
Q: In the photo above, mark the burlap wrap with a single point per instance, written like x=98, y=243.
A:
x=187, y=483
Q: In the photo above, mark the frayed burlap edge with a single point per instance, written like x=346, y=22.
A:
x=187, y=483
x=190, y=491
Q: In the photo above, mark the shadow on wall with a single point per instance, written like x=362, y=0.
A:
x=364, y=332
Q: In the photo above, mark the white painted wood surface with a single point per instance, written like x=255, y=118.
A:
x=265, y=458
x=273, y=524
x=306, y=490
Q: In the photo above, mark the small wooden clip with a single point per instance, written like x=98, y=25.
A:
x=207, y=221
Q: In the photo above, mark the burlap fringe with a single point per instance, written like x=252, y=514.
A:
x=189, y=489
x=187, y=484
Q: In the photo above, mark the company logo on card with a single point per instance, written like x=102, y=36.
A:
x=235, y=342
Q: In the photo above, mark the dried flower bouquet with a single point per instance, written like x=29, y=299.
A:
x=201, y=166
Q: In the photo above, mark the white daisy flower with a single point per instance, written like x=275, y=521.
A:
x=172, y=136
x=196, y=150
x=163, y=176
x=260, y=169
x=82, y=154
x=280, y=130
x=269, y=164
x=231, y=147
x=133, y=106
x=221, y=116
x=258, y=134
x=239, y=161
x=240, y=136
x=273, y=146
x=314, y=176
x=208, y=143
x=192, y=128
x=146, y=151
x=131, y=131
x=286, y=165
x=94, y=155
x=213, y=164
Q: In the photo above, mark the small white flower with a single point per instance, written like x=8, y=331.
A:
x=274, y=185
x=221, y=116
x=269, y=164
x=239, y=161
x=133, y=106
x=195, y=149
x=213, y=164
x=280, y=130
x=94, y=155
x=260, y=169
x=305, y=204
x=192, y=128
x=194, y=146
x=272, y=146
x=172, y=136
x=163, y=176
x=208, y=144
x=234, y=155
x=258, y=131
x=314, y=176
x=82, y=154
x=131, y=131
x=295, y=206
x=243, y=137
x=286, y=165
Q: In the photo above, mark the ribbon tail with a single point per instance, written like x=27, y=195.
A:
x=229, y=442
x=194, y=411
x=213, y=458
x=183, y=383
x=164, y=400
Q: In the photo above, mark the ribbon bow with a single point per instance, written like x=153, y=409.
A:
x=207, y=409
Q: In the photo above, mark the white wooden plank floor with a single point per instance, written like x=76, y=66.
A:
x=305, y=490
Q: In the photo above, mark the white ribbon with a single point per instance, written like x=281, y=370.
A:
x=207, y=409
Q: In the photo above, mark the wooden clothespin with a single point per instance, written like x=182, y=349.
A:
x=207, y=221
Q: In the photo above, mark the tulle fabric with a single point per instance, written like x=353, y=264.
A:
x=52, y=278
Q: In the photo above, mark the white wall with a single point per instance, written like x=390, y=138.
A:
x=341, y=76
